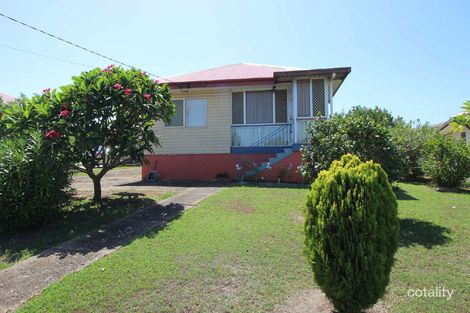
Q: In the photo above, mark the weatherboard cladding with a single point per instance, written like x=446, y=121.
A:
x=213, y=138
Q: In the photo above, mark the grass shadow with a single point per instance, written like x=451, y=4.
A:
x=402, y=194
x=119, y=232
x=81, y=216
x=423, y=233
x=180, y=183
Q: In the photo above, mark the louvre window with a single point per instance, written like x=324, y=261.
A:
x=237, y=108
x=281, y=106
x=318, y=97
x=178, y=118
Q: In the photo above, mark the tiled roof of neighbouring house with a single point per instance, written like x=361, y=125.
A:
x=6, y=98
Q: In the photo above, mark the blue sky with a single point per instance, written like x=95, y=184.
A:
x=410, y=57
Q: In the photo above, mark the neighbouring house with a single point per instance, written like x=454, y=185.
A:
x=446, y=128
x=241, y=120
x=6, y=98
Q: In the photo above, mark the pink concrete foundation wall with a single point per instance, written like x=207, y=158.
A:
x=288, y=165
x=207, y=166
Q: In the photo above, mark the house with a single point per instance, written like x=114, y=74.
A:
x=446, y=128
x=6, y=98
x=241, y=120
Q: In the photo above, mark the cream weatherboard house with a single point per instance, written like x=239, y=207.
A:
x=446, y=128
x=241, y=120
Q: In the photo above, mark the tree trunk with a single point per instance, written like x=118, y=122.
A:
x=97, y=189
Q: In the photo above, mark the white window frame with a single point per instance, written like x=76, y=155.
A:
x=184, y=114
x=244, y=106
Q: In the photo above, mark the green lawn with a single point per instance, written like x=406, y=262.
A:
x=79, y=217
x=435, y=250
x=241, y=251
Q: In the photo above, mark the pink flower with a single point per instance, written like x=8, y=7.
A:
x=46, y=90
x=108, y=69
x=52, y=134
x=117, y=86
x=127, y=91
x=147, y=97
x=156, y=81
x=64, y=113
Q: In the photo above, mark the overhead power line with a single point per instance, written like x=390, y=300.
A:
x=45, y=56
x=71, y=43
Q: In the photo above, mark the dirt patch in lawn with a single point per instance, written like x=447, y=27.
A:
x=297, y=217
x=314, y=300
x=240, y=206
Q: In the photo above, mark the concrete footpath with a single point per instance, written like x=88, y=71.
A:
x=28, y=278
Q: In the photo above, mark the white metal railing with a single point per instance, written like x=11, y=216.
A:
x=261, y=135
x=301, y=128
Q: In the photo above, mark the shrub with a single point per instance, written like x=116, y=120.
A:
x=446, y=161
x=363, y=132
x=410, y=141
x=351, y=229
x=33, y=181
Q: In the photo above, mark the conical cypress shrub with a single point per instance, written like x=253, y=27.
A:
x=351, y=229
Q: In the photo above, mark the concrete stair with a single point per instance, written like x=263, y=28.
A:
x=271, y=161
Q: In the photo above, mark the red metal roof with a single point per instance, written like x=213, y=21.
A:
x=240, y=71
x=6, y=98
x=249, y=74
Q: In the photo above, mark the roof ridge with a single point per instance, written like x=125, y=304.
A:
x=203, y=70
x=271, y=65
x=233, y=64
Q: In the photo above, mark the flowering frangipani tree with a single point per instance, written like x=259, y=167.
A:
x=105, y=117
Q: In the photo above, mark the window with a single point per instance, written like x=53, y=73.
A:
x=195, y=112
x=190, y=113
x=311, y=98
x=318, y=97
x=463, y=137
x=281, y=106
x=259, y=107
x=178, y=118
x=303, y=97
x=238, y=112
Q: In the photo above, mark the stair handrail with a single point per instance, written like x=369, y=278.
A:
x=271, y=134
